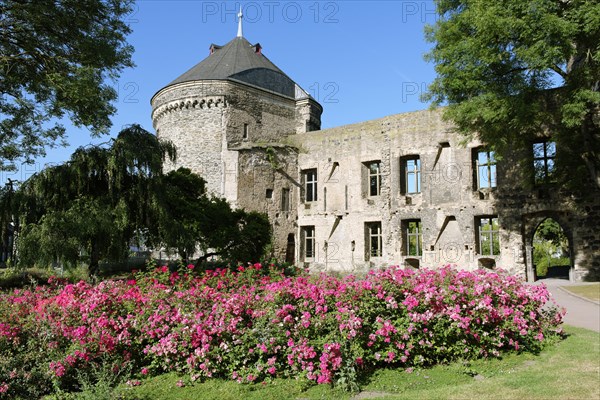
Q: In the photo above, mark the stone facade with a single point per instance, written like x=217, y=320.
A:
x=210, y=122
x=402, y=190
x=449, y=204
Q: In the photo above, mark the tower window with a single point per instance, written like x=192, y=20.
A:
x=285, y=199
x=246, y=131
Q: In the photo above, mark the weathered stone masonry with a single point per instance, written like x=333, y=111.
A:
x=449, y=205
x=338, y=199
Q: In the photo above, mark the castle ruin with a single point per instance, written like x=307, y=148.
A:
x=400, y=190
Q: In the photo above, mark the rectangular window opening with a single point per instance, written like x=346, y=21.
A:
x=410, y=179
x=246, y=131
x=373, y=178
x=374, y=240
x=308, y=242
x=485, y=168
x=413, y=238
x=544, y=156
x=285, y=199
x=310, y=184
x=488, y=236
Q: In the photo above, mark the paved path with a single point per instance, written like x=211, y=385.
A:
x=580, y=312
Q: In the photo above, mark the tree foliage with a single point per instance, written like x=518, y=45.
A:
x=93, y=206
x=183, y=199
x=511, y=70
x=107, y=198
x=235, y=235
x=550, y=247
x=57, y=59
x=550, y=230
x=191, y=221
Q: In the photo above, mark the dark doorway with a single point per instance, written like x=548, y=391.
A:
x=290, y=252
x=551, y=252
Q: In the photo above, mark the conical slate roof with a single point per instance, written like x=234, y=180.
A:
x=241, y=61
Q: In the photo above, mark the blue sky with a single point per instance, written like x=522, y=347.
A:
x=360, y=59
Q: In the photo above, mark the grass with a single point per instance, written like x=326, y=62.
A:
x=563, y=371
x=567, y=370
x=590, y=291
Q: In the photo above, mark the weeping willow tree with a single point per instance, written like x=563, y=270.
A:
x=91, y=207
x=106, y=198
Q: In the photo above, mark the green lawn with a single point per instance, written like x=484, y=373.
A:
x=567, y=370
x=590, y=291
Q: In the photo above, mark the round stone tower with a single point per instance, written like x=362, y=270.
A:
x=230, y=101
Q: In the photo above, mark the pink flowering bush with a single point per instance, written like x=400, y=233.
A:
x=255, y=324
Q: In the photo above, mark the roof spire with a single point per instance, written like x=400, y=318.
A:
x=240, y=15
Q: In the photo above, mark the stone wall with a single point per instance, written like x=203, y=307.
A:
x=308, y=115
x=193, y=116
x=523, y=206
x=229, y=133
x=209, y=121
x=449, y=204
x=268, y=184
x=254, y=148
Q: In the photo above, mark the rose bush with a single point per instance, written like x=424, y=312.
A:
x=255, y=323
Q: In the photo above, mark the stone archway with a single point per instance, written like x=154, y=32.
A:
x=551, y=251
x=549, y=246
